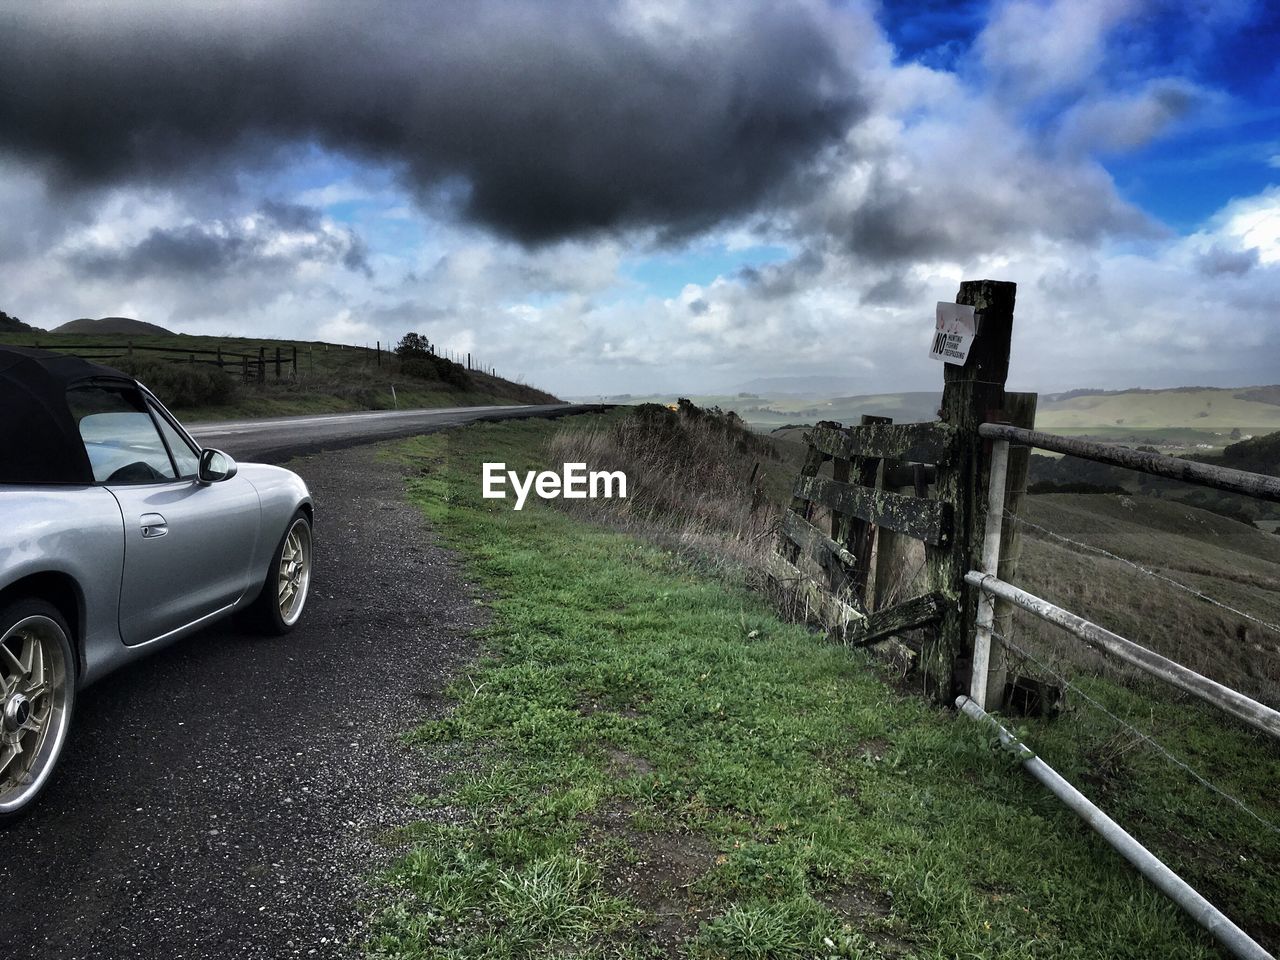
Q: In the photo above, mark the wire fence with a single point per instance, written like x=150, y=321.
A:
x=1099, y=551
x=1141, y=735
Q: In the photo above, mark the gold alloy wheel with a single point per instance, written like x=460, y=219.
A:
x=34, y=699
x=294, y=576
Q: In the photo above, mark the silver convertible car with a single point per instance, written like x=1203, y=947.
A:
x=119, y=535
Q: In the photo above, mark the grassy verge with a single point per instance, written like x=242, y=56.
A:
x=653, y=764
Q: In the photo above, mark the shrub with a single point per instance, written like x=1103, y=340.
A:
x=181, y=384
x=424, y=366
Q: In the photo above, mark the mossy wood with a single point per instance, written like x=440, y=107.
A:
x=884, y=440
x=940, y=472
x=910, y=615
x=970, y=395
x=835, y=613
x=927, y=520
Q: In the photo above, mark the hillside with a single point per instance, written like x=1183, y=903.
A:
x=10, y=324
x=329, y=378
x=125, y=326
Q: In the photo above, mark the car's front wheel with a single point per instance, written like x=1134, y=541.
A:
x=284, y=595
x=37, y=694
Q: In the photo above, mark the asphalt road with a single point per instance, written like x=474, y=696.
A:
x=227, y=797
x=283, y=437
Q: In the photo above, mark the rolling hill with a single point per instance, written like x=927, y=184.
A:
x=124, y=326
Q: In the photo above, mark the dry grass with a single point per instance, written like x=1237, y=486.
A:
x=697, y=480
x=1222, y=558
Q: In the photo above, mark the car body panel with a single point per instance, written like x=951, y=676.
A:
x=189, y=549
x=41, y=535
x=136, y=594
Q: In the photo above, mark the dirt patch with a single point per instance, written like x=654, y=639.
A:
x=655, y=870
x=854, y=902
x=873, y=749
x=624, y=764
x=868, y=910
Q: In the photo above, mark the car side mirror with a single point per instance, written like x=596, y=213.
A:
x=215, y=466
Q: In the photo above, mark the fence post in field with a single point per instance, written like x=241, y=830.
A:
x=219, y=356
x=377, y=345
x=244, y=368
x=191, y=359
x=468, y=361
x=970, y=393
x=277, y=362
x=295, y=361
x=262, y=364
x=128, y=347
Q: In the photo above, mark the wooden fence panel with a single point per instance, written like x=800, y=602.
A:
x=927, y=520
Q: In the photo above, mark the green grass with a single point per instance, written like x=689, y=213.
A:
x=650, y=761
x=331, y=378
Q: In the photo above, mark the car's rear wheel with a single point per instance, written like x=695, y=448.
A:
x=284, y=595
x=37, y=695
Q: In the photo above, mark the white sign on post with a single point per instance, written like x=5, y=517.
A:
x=953, y=334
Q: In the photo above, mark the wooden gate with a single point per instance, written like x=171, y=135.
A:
x=843, y=535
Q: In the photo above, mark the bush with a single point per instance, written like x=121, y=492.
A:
x=424, y=366
x=181, y=384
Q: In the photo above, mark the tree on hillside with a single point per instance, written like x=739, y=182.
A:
x=10, y=324
x=413, y=345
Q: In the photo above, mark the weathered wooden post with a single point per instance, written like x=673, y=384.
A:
x=858, y=535
x=262, y=364
x=295, y=361
x=971, y=393
x=377, y=345
x=219, y=356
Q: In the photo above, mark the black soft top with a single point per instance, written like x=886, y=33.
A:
x=39, y=439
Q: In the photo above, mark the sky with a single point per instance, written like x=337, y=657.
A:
x=609, y=196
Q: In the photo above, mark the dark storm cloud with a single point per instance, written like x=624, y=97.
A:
x=556, y=117
x=279, y=237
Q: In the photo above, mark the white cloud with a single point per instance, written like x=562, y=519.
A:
x=1033, y=48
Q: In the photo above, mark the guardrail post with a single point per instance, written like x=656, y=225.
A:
x=970, y=393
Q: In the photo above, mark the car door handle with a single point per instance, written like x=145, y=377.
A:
x=153, y=525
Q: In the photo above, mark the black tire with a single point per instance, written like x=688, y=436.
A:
x=266, y=612
x=21, y=622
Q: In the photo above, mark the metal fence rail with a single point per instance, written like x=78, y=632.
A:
x=1257, y=715
x=985, y=681
x=1239, y=943
x=1172, y=468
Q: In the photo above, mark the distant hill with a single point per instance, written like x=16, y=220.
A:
x=10, y=324
x=116, y=325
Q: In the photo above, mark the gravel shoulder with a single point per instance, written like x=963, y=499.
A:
x=229, y=796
